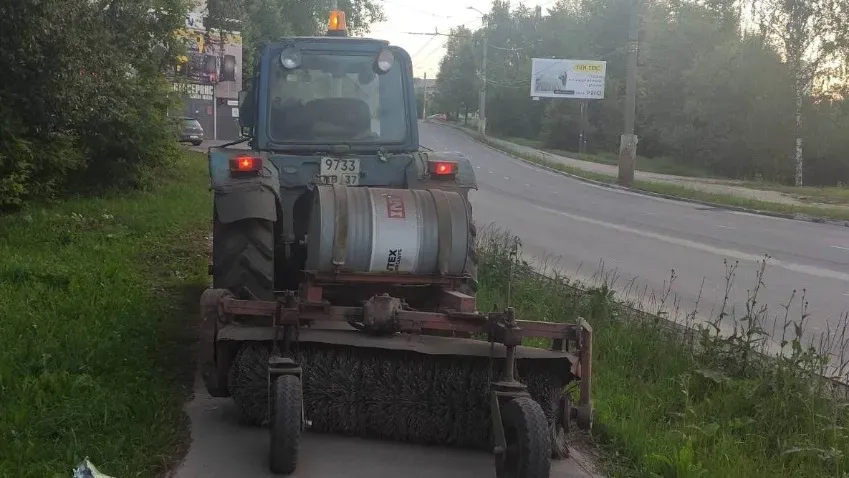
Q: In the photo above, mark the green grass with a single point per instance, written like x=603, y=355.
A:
x=833, y=213
x=661, y=165
x=826, y=195
x=97, y=303
x=672, y=410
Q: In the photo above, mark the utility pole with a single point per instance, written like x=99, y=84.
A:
x=424, y=98
x=215, y=110
x=582, y=139
x=628, y=140
x=482, y=101
x=482, y=97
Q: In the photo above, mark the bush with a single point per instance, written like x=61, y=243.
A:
x=84, y=103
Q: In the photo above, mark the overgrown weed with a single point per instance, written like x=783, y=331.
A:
x=748, y=396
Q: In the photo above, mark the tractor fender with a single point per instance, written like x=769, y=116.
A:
x=418, y=177
x=249, y=197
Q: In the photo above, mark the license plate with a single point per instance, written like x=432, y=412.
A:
x=193, y=137
x=340, y=171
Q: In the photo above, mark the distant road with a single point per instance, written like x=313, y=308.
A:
x=645, y=238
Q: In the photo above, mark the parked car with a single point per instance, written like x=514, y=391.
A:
x=439, y=117
x=190, y=131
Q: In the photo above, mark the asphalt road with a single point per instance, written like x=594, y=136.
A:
x=643, y=238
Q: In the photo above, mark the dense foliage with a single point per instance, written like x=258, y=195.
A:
x=83, y=101
x=262, y=21
x=711, y=94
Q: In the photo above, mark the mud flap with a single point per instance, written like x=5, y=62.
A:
x=245, y=200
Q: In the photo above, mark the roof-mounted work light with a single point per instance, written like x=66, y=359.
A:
x=336, y=26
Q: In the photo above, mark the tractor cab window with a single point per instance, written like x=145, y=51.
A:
x=336, y=98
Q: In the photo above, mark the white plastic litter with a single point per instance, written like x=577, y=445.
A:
x=87, y=470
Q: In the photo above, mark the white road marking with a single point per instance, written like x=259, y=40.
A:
x=527, y=185
x=477, y=167
x=507, y=178
x=490, y=172
x=725, y=227
x=801, y=268
x=841, y=247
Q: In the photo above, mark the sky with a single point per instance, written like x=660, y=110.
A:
x=427, y=16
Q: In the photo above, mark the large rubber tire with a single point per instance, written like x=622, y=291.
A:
x=471, y=268
x=528, y=440
x=286, y=421
x=243, y=258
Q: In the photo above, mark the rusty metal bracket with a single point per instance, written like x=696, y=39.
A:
x=584, y=416
x=213, y=315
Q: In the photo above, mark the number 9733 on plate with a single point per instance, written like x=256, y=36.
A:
x=343, y=171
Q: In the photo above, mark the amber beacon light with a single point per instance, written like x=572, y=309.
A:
x=336, y=24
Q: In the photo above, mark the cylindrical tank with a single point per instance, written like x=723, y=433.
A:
x=364, y=229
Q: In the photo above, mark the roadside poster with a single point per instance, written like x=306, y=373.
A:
x=559, y=78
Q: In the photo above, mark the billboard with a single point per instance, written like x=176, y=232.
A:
x=208, y=76
x=558, y=78
x=209, y=60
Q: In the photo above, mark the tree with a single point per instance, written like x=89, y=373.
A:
x=714, y=98
x=813, y=35
x=263, y=21
x=457, y=81
x=84, y=101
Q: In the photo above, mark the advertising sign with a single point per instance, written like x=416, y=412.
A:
x=577, y=79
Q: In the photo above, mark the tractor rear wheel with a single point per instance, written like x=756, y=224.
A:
x=243, y=258
x=526, y=430
x=286, y=421
x=471, y=268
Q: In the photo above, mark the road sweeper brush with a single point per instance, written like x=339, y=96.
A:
x=344, y=275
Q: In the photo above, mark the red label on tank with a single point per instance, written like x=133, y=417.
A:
x=395, y=208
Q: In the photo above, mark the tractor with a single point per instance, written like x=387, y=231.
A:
x=344, y=273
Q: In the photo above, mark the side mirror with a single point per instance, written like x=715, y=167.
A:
x=246, y=108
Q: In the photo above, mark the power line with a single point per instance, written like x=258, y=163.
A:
x=413, y=10
x=414, y=55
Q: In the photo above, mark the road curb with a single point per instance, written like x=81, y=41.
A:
x=795, y=217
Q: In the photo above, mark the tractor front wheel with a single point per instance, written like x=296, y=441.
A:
x=286, y=424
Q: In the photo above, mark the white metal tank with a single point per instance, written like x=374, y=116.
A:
x=408, y=231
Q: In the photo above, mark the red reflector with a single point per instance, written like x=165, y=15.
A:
x=245, y=163
x=443, y=168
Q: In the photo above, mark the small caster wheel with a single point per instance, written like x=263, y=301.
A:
x=526, y=430
x=286, y=422
x=560, y=427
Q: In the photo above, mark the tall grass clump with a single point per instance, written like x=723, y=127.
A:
x=749, y=396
